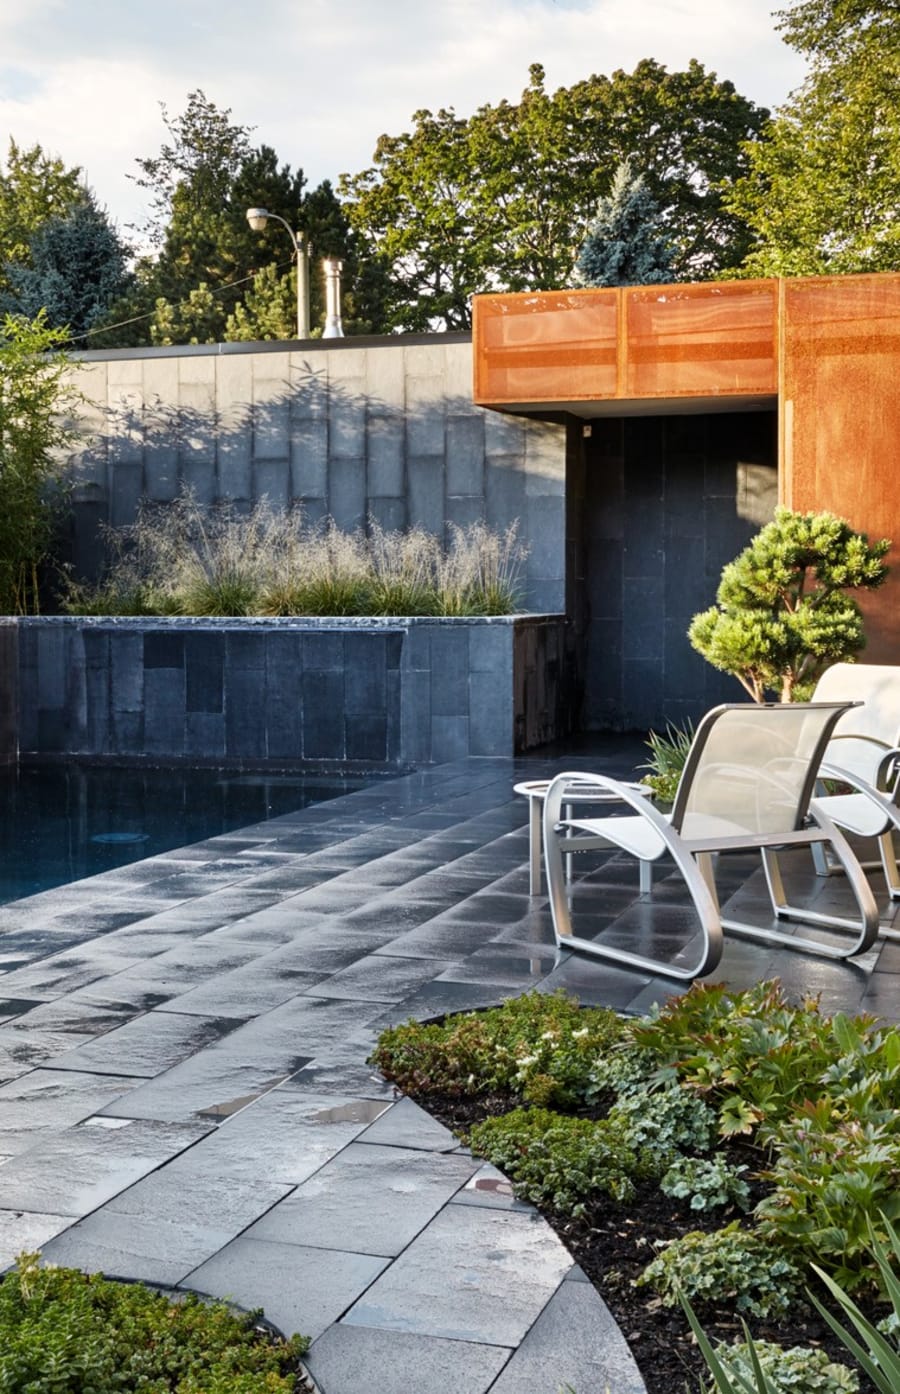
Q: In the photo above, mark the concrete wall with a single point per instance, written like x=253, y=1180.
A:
x=395, y=693
x=382, y=428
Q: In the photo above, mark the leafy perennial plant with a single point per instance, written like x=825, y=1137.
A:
x=815, y=1099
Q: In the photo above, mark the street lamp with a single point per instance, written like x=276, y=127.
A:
x=257, y=218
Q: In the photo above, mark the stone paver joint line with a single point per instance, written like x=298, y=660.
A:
x=185, y=1096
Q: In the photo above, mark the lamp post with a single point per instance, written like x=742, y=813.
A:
x=257, y=218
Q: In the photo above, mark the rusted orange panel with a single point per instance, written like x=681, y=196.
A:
x=712, y=339
x=553, y=346
x=840, y=418
x=707, y=340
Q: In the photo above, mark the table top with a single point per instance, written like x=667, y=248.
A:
x=580, y=791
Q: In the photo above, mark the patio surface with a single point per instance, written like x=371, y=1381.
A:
x=184, y=1096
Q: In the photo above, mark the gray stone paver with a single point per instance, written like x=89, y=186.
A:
x=184, y=1093
x=301, y=1289
x=472, y=1275
x=360, y=1360
x=164, y=1226
x=574, y=1342
x=337, y=1201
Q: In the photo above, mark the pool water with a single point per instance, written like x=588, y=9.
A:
x=59, y=823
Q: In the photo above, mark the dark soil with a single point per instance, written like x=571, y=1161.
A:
x=613, y=1243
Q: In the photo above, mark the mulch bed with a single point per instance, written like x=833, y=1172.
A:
x=613, y=1243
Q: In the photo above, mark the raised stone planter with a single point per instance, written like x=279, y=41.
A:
x=366, y=692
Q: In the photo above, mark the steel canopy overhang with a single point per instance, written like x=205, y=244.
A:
x=823, y=350
x=576, y=350
x=644, y=406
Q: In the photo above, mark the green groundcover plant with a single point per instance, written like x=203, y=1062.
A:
x=816, y=1099
x=752, y=1367
x=67, y=1332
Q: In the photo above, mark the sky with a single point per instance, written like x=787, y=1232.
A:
x=320, y=82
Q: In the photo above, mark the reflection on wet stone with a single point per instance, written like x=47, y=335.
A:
x=358, y=1111
x=232, y=1106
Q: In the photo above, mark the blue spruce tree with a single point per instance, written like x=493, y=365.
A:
x=625, y=244
x=77, y=271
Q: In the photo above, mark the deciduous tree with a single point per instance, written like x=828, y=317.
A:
x=34, y=188
x=502, y=200
x=210, y=277
x=823, y=188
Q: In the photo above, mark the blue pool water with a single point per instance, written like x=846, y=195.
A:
x=61, y=823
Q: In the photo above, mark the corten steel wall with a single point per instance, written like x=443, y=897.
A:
x=381, y=428
x=840, y=419
x=826, y=349
x=634, y=344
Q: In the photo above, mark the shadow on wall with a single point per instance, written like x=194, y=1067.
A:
x=364, y=434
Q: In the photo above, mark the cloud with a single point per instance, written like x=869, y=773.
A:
x=320, y=83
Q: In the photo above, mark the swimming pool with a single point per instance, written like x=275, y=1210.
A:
x=59, y=823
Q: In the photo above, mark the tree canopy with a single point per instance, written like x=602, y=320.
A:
x=208, y=276
x=822, y=190
x=34, y=188
x=503, y=200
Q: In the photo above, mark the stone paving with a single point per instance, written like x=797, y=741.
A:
x=185, y=1099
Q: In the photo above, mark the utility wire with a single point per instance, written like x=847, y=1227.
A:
x=138, y=319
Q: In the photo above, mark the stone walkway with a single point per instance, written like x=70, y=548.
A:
x=185, y=1098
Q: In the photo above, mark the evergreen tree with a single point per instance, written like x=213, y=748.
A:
x=782, y=614
x=625, y=245
x=210, y=276
x=268, y=309
x=34, y=188
x=76, y=270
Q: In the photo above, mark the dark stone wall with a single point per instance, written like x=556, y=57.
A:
x=392, y=693
x=668, y=502
x=9, y=682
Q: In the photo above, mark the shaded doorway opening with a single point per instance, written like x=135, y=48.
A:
x=668, y=501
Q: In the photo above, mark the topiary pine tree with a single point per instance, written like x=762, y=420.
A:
x=626, y=244
x=782, y=614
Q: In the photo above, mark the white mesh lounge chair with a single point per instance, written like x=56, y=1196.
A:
x=747, y=785
x=864, y=754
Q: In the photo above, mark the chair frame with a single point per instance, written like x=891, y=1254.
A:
x=882, y=790
x=693, y=857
